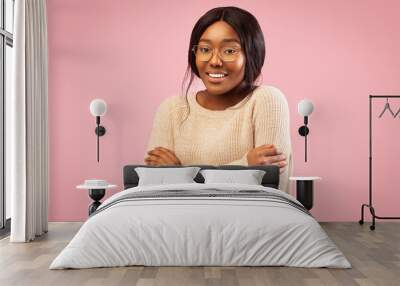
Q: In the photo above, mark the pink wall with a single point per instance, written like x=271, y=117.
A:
x=133, y=54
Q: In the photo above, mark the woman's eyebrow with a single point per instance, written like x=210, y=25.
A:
x=224, y=40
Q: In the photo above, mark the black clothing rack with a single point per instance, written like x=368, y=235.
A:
x=369, y=205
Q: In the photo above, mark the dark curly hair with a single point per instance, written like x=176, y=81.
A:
x=251, y=40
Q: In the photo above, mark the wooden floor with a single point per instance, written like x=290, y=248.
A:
x=374, y=255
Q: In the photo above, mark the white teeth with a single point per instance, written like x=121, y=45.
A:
x=218, y=75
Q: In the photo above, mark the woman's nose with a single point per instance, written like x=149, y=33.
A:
x=215, y=60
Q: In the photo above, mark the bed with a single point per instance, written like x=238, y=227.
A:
x=201, y=224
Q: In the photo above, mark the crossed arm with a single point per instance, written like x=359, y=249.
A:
x=263, y=155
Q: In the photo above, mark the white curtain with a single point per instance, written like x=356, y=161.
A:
x=27, y=124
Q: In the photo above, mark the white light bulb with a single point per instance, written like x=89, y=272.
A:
x=305, y=107
x=98, y=107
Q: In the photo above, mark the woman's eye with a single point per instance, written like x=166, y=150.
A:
x=229, y=51
x=204, y=50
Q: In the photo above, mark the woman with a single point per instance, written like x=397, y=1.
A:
x=233, y=121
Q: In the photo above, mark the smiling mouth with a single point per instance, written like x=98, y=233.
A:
x=217, y=75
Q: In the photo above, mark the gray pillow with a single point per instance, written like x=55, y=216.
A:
x=248, y=177
x=162, y=176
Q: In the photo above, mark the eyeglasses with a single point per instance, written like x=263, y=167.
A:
x=204, y=53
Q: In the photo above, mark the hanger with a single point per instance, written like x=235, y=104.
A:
x=397, y=113
x=387, y=106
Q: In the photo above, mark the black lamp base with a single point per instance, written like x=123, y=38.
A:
x=303, y=130
x=100, y=130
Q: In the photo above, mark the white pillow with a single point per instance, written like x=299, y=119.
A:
x=248, y=177
x=162, y=176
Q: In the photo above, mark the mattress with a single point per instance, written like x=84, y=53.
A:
x=201, y=225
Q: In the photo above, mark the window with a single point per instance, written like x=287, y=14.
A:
x=6, y=62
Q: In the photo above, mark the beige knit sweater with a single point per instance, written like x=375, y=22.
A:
x=222, y=137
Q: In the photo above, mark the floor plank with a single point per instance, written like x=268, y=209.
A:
x=374, y=255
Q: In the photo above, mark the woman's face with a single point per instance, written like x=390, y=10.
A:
x=220, y=36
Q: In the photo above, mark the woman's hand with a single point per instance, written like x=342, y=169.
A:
x=267, y=155
x=161, y=156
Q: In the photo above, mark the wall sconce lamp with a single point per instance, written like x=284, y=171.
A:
x=98, y=107
x=305, y=108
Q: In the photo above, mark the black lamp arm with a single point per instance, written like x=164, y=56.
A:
x=303, y=131
x=100, y=131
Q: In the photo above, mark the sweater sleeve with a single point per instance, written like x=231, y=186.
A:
x=271, y=126
x=162, y=131
x=242, y=161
